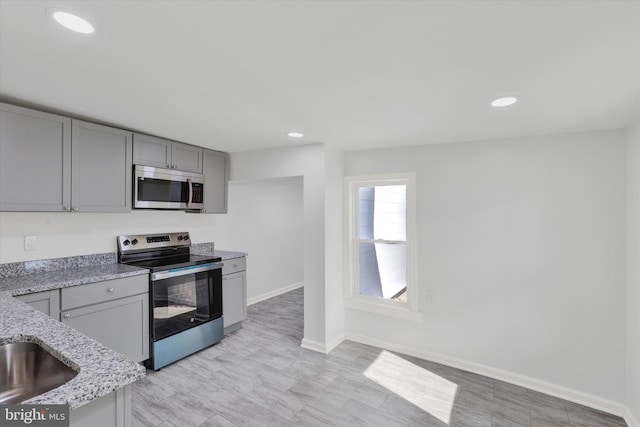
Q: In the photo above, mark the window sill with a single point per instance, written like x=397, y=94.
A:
x=385, y=310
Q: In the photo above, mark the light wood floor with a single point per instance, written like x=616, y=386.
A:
x=259, y=376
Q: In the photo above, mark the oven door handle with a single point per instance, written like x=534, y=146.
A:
x=183, y=271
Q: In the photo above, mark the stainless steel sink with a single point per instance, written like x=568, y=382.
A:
x=27, y=370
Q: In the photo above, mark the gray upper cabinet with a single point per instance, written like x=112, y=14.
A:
x=102, y=168
x=35, y=160
x=216, y=181
x=52, y=163
x=151, y=151
x=186, y=157
x=163, y=153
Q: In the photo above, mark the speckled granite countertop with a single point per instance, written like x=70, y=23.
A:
x=45, y=281
x=101, y=370
x=209, y=250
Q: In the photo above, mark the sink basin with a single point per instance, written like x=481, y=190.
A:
x=27, y=370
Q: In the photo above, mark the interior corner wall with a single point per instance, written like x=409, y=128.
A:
x=265, y=219
x=633, y=273
x=521, y=245
x=334, y=218
x=307, y=161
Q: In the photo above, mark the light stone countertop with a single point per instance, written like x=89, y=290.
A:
x=101, y=370
x=58, y=279
x=207, y=249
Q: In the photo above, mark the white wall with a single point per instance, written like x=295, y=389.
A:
x=633, y=272
x=265, y=219
x=313, y=163
x=522, y=243
x=62, y=234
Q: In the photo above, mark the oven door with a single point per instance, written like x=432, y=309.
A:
x=156, y=188
x=183, y=298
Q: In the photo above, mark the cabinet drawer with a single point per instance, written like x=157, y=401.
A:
x=93, y=293
x=233, y=265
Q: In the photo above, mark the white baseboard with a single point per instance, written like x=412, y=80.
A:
x=579, y=397
x=630, y=419
x=331, y=344
x=313, y=345
x=324, y=348
x=274, y=293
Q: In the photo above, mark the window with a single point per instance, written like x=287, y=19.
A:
x=380, y=259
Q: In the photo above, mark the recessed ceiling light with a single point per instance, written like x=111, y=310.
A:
x=504, y=102
x=295, y=134
x=71, y=21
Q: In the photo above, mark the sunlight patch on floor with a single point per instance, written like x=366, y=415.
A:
x=428, y=391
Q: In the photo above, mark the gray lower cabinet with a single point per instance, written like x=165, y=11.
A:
x=163, y=153
x=102, y=168
x=112, y=410
x=35, y=160
x=47, y=302
x=114, y=313
x=234, y=293
x=216, y=181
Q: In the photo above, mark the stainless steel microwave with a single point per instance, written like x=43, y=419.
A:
x=157, y=188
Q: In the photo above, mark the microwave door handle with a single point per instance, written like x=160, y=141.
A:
x=190, y=202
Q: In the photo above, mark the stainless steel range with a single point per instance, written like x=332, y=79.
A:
x=185, y=294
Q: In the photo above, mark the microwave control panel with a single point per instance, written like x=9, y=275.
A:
x=198, y=193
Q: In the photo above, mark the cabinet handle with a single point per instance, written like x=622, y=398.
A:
x=66, y=315
x=75, y=209
x=235, y=265
x=66, y=208
x=111, y=290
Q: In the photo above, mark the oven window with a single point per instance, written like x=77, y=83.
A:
x=162, y=190
x=182, y=302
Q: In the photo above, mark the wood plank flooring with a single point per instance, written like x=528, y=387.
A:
x=259, y=376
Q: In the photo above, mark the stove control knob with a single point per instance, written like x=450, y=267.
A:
x=134, y=242
x=186, y=237
x=179, y=238
x=126, y=242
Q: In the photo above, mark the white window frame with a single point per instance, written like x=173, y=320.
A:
x=405, y=310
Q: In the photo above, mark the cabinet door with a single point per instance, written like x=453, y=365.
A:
x=234, y=298
x=216, y=181
x=151, y=151
x=122, y=325
x=35, y=160
x=48, y=302
x=185, y=157
x=102, y=168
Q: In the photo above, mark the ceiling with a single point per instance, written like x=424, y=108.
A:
x=239, y=75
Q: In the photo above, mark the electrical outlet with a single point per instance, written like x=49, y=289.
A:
x=431, y=295
x=30, y=243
